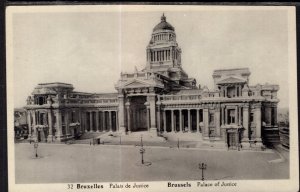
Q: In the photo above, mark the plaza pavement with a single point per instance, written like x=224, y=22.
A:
x=59, y=163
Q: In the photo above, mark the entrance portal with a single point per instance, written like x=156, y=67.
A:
x=138, y=113
x=231, y=138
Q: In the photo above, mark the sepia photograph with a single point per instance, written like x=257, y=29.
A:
x=152, y=98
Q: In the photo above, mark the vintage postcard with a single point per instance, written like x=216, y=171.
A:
x=152, y=98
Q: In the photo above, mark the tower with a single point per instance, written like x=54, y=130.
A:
x=163, y=52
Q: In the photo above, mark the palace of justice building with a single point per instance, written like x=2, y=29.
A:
x=161, y=99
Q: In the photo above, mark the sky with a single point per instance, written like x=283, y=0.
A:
x=89, y=49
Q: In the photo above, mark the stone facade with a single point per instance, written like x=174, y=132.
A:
x=161, y=99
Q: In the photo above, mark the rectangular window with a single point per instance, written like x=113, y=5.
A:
x=231, y=116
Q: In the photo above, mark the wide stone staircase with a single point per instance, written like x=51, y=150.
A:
x=271, y=136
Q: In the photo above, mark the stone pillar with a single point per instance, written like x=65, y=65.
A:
x=91, y=121
x=165, y=120
x=240, y=115
x=97, y=121
x=225, y=91
x=151, y=101
x=29, y=124
x=50, y=135
x=180, y=120
x=58, y=125
x=148, y=117
x=245, y=138
x=121, y=115
x=103, y=121
x=67, y=123
x=236, y=115
x=117, y=121
x=226, y=114
x=223, y=114
x=197, y=117
x=109, y=121
x=268, y=115
x=189, y=120
x=172, y=120
x=158, y=117
x=128, y=117
x=217, y=121
x=86, y=114
x=83, y=121
x=80, y=120
x=275, y=116
x=206, y=122
x=34, y=119
x=258, y=123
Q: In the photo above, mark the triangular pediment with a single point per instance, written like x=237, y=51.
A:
x=230, y=80
x=136, y=83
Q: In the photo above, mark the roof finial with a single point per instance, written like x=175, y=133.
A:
x=163, y=18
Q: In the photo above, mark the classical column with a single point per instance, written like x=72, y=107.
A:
x=58, y=124
x=80, y=119
x=121, y=114
x=269, y=115
x=223, y=114
x=197, y=117
x=86, y=117
x=236, y=115
x=128, y=116
x=158, y=117
x=151, y=101
x=103, y=121
x=109, y=121
x=275, y=116
x=217, y=121
x=50, y=125
x=189, y=120
x=117, y=121
x=258, y=122
x=148, y=117
x=172, y=120
x=29, y=123
x=246, y=122
x=91, y=121
x=180, y=120
x=34, y=120
x=165, y=120
x=97, y=121
x=226, y=116
x=240, y=115
x=206, y=123
x=67, y=123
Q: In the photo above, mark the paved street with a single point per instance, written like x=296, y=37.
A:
x=85, y=163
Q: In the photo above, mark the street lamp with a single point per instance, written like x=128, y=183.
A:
x=142, y=151
x=202, y=166
x=36, y=147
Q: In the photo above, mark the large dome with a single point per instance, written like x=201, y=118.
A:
x=163, y=25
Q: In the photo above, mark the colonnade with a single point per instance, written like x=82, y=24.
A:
x=237, y=90
x=106, y=120
x=181, y=120
x=159, y=55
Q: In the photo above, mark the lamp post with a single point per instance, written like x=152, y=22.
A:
x=202, y=166
x=142, y=150
x=36, y=147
